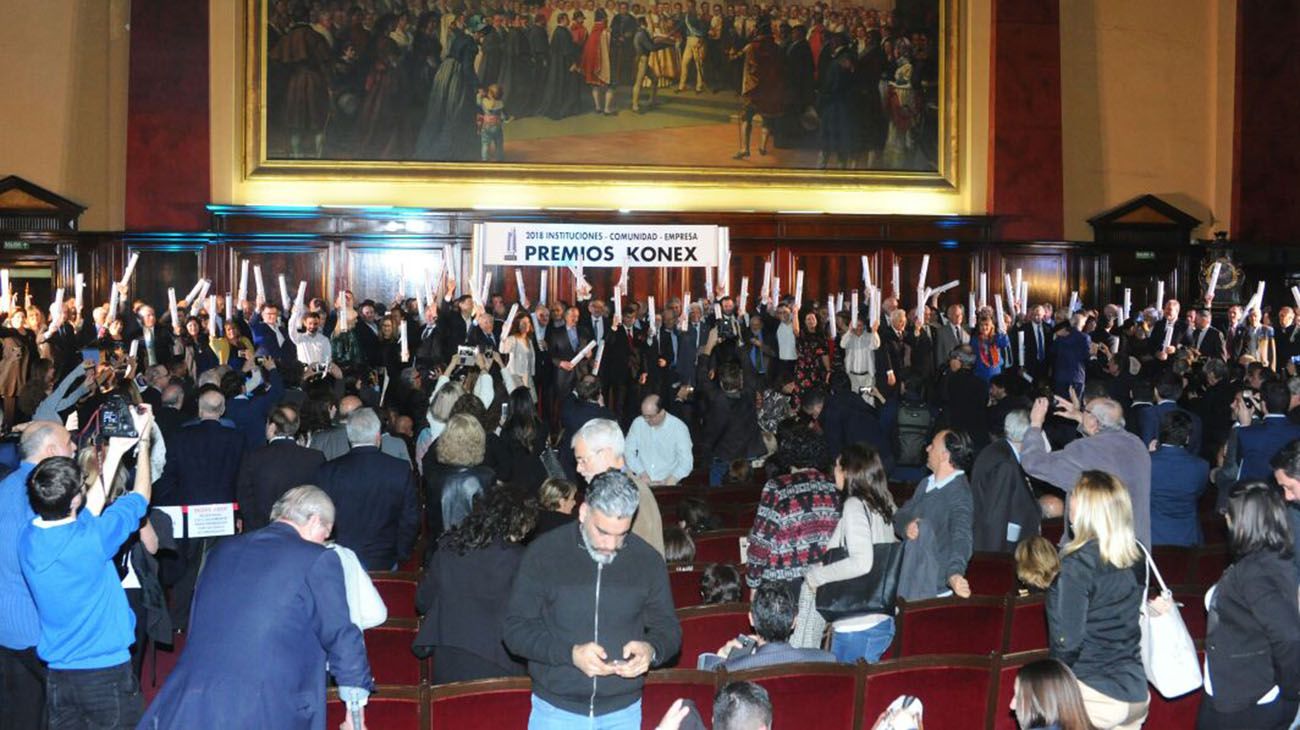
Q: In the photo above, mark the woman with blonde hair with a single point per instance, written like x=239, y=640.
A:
x=1092, y=608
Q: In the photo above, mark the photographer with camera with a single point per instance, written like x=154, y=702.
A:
x=67, y=558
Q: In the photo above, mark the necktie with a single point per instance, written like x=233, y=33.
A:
x=1038, y=335
x=672, y=339
x=1200, y=337
x=573, y=339
x=758, y=357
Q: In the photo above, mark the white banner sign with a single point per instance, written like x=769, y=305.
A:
x=561, y=244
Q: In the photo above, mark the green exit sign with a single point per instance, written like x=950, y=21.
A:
x=17, y=246
x=1145, y=255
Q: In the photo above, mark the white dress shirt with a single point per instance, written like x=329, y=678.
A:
x=313, y=348
x=661, y=452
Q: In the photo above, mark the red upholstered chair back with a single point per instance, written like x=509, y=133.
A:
x=388, y=648
x=719, y=546
x=1178, y=712
x=667, y=499
x=809, y=695
x=1052, y=529
x=954, y=690
x=664, y=686
x=1174, y=562
x=706, y=628
x=1007, y=670
x=991, y=574
x=486, y=704
x=684, y=580
x=393, y=709
x=951, y=626
x=1026, y=624
x=398, y=594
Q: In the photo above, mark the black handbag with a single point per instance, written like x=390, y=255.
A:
x=874, y=592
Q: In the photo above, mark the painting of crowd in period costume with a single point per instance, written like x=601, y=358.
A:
x=786, y=84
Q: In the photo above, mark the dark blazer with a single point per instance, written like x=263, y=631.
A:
x=1287, y=342
x=847, y=419
x=453, y=483
x=249, y=413
x=1149, y=424
x=1257, y=444
x=1001, y=495
x=948, y=510
x=891, y=355
x=1158, y=332
x=377, y=512
x=688, y=354
x=1179, y=479
x=269, y=472
x=965, y=404
x=162, y=342
x=557, y=344
x=463, y=600
x=730, y=425
x=202, y=465
x=265, y=341
x=1036, y=363
x=1212, y=344
x=1253, y=642
x=272, y=590
x=945, y=341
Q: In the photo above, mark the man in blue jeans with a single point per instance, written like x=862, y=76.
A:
x=66, y=555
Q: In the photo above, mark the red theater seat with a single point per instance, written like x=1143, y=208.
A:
x=991, y=574
x=398, y=594
x=668, y=497
x=1210, y=563
x=706, y=628
x=809, y=695
x=396, y=708
x=1174, y=562
x=664, y=686
x=684, y=580
x=951, y=626
x=719, y=546
x=1052, y=529
x=487, y=704
x=1026, y=624
x=388, y=648
x=1008, y=668
x=953, y=690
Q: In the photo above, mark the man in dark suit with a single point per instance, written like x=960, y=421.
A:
x=1169, y=388
x=375, y=496
x=1184, y=477
x=155, y=341
x=267, y=473
x=1038, y=338
x=1171, y=320
x=367, y=330
x=1207, y=340
x=1006, y=510
x=456, y=319
x=202, y=467
x=483, y=334
x=1071, y=350
x=950, y=335
x=1256, y=444
x=168, y=415
x=564, y=343
x=584, y=405
x=757, y=354
x=691, y=340
x=1287, y=337
x=846, y=419
x=966, y=398
x=270, y=337
x=278, y=595
x=891, y=358
x=622, y=366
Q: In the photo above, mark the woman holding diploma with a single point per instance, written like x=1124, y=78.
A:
x=812, y=366
x=990, y=349
x=234, y=349
x=199, y=355
x=522, y=364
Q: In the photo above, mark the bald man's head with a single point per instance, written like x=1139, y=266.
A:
x=348, y=404
x=212, y=405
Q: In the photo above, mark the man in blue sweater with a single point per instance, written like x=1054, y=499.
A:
x=22, y=673
x=66, y=555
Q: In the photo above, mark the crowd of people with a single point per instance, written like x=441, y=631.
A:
x=516, y=461
x=436, y=80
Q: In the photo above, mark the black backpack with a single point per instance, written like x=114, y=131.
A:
x=914, y=432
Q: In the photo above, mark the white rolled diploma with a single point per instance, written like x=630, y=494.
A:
x=1160, y=296
x=541, y=289
x=839, y=302
x=709, y=291
x=130, y=267
x=284, y=292
x=830, y=317
x=876, y=301
x=402, y=336
x=299, y=300
x=618, y=308
x=1169, y=334
x=1020, y=336
x=925, y=269
x=1010, y=291
x=1001, y=321
x=1295, y=294
x=171, y=305
x=1024, y=297
x=717, y=312
x=1074, y=302
x=853, y=309
x=57, y=303
x=243, y=280
x=508, y=328
x=257, y=283
x=486, y=289
x=582, y=354
x=921, y=296
x=600, y=355
x=80, y=283
x=1214, y=281
x=767, y=279
x=744, y=294
x=199, y=297
x=650, y=305
x=212, y=316
x=984, y=290
x=230, y=308
x=970, y=307
x=1128, y=302
x=112, y=304
x=895, y=292
x=776, y=292
x=135, y=348
x=519, y=285
x=866, y=274
x=798, y=289
x=194, y=292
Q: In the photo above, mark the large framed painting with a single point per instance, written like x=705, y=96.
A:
x=832, y=93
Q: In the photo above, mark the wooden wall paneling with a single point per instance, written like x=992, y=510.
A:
x=378, y=269
x=177, y=265
x=1046, y=273
x=307, y=260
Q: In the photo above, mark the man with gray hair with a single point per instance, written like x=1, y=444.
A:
x=1006, y=510
x=591, y=612
x=375, y=494
x=597, y=448
x=1106, y=446
x=270, y=612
